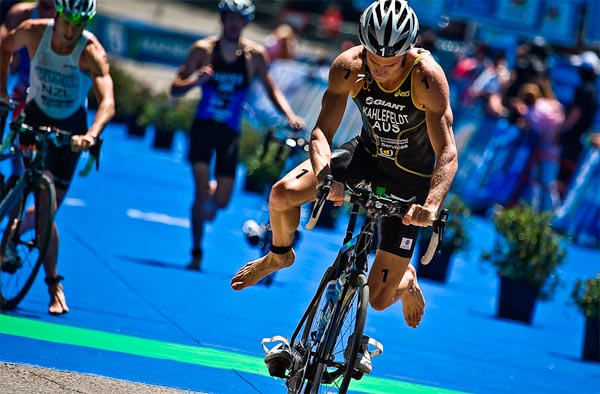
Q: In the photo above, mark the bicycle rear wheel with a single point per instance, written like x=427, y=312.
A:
x=331, y=371
x=25, y=240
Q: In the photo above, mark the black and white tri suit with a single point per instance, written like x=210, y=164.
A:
x=392, y=151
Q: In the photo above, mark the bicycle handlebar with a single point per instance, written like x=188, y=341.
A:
x=57, y=137
x=380, y=206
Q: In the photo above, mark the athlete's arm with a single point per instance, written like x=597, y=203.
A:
x=432, y=93
x=260, y=66
x=17, y=14
x=333, y=105
x=16, y=39
x=95, y=61
x=194, y=71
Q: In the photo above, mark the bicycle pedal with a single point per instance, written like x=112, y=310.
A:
x=357, y=375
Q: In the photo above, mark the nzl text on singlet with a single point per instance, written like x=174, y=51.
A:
x=394, y=128
x=224, y=93
x=58, y=86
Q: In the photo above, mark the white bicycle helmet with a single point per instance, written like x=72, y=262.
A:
x=388, y=28
x=77, y=11
x=243, y=7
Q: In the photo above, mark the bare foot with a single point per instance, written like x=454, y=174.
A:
x=413, y=302
x=251, y=273
x=58, y=302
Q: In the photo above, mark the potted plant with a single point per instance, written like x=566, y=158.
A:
x=586, y=297
x=168, y=116
x=455, y=240
x=526, y=254
x=264, y=167
x=130, y=95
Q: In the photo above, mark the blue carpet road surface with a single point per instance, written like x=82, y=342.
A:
x=138, y=315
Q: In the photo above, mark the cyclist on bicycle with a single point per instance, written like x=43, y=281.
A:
x=406, y=145
x=66, y=61
x=223, y=66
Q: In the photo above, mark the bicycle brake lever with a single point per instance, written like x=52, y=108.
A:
x=439, y=225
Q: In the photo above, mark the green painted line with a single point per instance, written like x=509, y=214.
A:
x=196, y=355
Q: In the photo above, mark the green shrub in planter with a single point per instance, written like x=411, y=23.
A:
x=586, y=296
x=130, y=94
x=526, y=249
x=168, y=114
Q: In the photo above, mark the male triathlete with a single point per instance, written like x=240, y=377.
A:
x=66, y=60
x=223, y=65
x=406, y=145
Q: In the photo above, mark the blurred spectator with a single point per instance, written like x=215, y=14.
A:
x=531, y=66
x=491, y=84
x=282, y=43
x=331, y=20
x=542, y=118
x=580, y=115
x=467, y=70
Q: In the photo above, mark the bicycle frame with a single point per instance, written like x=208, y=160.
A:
x=349, y=269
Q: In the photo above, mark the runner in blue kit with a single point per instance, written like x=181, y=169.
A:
x=406, y=145
x=66, y=62
x=224, y=66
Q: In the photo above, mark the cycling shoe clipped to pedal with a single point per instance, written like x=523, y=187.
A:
x=280, y=357
x=363, y=362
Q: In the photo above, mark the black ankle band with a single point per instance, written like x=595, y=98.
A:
x=54, y=281
x=280, y=249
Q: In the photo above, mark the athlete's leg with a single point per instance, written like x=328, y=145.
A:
x=287, y=196
x=393, y=278
x=200, y=174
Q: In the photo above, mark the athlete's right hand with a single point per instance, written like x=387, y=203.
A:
x=205, y=73
x=337, y=193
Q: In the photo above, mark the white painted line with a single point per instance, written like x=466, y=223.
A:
x=158, y=218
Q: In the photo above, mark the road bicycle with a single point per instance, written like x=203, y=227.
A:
x=23, y=245
x=321, y=355
x=291, y=148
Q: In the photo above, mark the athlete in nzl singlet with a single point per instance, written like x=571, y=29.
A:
x=66, y=61
x=406, y=145
x=224, y=66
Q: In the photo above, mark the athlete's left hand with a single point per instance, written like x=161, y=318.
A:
x=82, y=142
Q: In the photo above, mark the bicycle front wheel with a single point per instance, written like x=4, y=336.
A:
x=337, y=352
x=25, y=237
